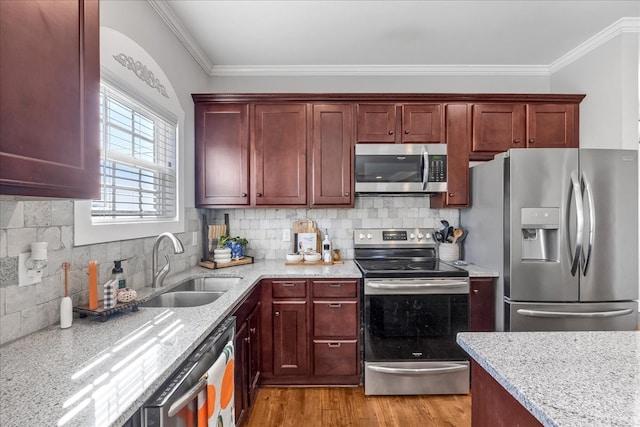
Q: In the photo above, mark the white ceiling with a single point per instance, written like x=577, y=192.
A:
x=391, y=37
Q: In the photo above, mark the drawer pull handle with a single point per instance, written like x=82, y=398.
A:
x=334, y=344
x=287, y=285
x=337, y=305
x=335, y=285
x=475, y=291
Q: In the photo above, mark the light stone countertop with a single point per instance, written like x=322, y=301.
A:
x=475, y=270
x=565, y=379
x=99, y=373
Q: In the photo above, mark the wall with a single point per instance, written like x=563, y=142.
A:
x=26, y=309
x=264, y=227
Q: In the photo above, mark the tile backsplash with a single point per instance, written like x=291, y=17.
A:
x=26, y=309
x=263, y=228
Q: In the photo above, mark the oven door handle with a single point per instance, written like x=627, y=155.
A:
x=417, y=371
x=191, y=394
x=413, y=285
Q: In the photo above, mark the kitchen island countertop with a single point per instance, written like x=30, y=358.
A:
x=576, y=379
x=99, y=373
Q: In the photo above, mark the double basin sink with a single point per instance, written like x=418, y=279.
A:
x=193, y=292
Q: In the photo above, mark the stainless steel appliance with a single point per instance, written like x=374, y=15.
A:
x=561, y=227
x=165, y=407
x=414, y=306
x=400, y=168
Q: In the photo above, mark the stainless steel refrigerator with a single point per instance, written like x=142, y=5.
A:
x=561, y=227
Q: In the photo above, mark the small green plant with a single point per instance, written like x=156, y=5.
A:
x=237, y=239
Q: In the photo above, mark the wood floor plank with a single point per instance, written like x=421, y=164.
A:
x=349, y=407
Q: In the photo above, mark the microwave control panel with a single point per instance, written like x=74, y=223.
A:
x=437, y=168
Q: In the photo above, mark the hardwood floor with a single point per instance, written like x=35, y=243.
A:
x=349, y=407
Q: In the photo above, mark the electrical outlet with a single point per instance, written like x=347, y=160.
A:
x=286, y=235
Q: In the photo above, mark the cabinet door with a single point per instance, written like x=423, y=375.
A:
x=497, y=128
x=290, y=337
x=49, y=103
x=241, y=381
x=222, y=154
x=280, y=154
x=376, y=122
x=552, y=126
x=331, y=145
x=482, y=305
x=422, y=123
x=253, y=322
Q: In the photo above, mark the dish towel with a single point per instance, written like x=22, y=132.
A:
x=216, y=405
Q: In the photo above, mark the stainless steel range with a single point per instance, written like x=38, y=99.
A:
x=414, y=307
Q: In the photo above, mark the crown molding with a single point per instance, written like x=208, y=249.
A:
x=176, y=26
x=623, y=25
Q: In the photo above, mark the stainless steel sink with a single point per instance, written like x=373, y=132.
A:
x=207, y=284
x=182, y=299
x=193, y=292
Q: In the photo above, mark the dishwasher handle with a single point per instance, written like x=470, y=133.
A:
x=190, y=395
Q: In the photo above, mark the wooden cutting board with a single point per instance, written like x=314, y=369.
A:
x=306, y=226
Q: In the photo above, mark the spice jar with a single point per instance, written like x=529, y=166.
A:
x=336, y=254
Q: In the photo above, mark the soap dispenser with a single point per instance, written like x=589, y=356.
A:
x=326, y=248
x=118, y=276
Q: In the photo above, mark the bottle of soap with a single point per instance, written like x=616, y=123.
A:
x=326, y=248
x=118, y=276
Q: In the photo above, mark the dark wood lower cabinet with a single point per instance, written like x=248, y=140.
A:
x=482, y=304
x=310, y=332
x=492, y=405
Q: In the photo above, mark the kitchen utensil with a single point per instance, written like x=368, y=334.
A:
x=66, y=307
x=464, y=236
x=457, y=233
x=438, y=236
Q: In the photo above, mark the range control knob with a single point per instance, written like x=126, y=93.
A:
x=420, y=236
x=361, y=236
x=412, y=236
x=369, y=236
x=427, y=236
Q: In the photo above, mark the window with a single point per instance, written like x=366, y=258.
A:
x=138, y=161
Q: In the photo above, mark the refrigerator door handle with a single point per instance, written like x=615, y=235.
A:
x=592, y=222
x=574, y=256
x=566, y=314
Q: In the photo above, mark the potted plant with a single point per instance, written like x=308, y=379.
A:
x=237, y=245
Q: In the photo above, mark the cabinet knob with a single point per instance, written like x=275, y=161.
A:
x=247, y=340
x=452, y=194
x=277, y=313
x=346, y=194
x=390, y=132
x=258, y=194
x=532, y=141
x=475, y=292
x=516, y=141
x=243, y=194
x=252, y=330
x=406, y=131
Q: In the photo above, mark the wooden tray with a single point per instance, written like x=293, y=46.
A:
x=312, y=262
x=214, y=265
x=103, y=313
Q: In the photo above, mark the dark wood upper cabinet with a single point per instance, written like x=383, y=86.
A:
x=552, y=126
x=498, y=127
x=399, y=123
x=331, y=177
x=222, y=154
x=49, y=108
x=280, y=154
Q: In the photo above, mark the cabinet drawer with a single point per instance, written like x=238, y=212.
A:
x=335, y=318
x=289, y=289
x=332, y=358
x=334, y=289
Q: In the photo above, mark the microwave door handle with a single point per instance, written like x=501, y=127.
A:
x=191, y=394
x=425, y=169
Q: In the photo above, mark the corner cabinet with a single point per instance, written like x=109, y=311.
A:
x=49, y=108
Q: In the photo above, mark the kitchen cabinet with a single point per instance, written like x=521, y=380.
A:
x=279, y=154
x=49, y=137
x=247, y=353
x=400, y=123
x=501, y=126
x=222, y=154
x=482, y=304
x=314, y=330
x=331, y=174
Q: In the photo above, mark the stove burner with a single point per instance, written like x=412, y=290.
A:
x=386, y=265
x=422, y=265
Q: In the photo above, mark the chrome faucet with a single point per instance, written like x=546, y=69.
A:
x=158, y=276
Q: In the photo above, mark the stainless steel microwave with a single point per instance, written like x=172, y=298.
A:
x=401, y=168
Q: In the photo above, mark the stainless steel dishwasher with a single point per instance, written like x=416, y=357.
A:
x=183, y=387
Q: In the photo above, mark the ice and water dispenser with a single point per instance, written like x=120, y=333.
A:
x=539, y=234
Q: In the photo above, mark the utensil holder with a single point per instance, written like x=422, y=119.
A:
x=449, y=251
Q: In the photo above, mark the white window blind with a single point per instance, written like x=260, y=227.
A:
x=138, y=160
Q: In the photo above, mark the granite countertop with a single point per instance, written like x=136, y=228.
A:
x=565, y=378
x=474, y=270
x=99, y=373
